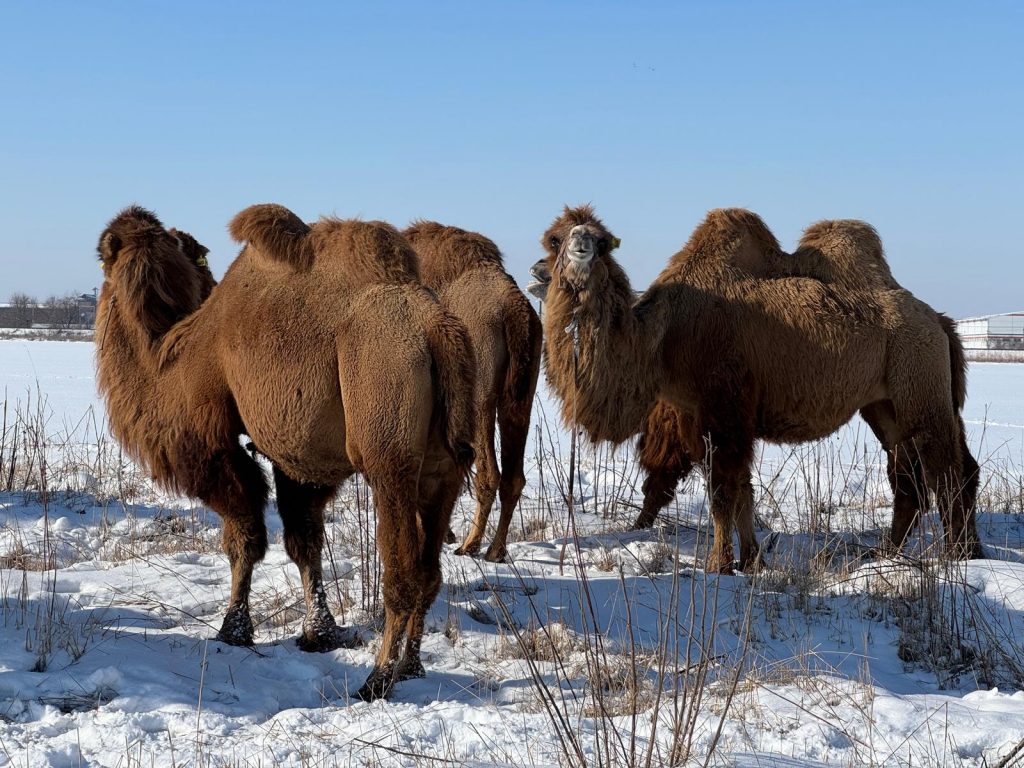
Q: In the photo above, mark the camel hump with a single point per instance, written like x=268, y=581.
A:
x=366, y=252
x=275, y=233
x=446, y=252
x=728, y=239
x=127, y=227
x=844, y=251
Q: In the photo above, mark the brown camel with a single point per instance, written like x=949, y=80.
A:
x=848, y=254
x=466, y=272
x=286, y=351
x=786, y=359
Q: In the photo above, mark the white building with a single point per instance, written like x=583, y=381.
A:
x=993, y=331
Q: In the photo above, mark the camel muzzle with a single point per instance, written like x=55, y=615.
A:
x=538, y=287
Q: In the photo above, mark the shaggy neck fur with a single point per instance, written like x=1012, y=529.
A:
x=150, y=286
x=615, y=381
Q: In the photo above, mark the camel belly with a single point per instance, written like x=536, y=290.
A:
x=293, y=413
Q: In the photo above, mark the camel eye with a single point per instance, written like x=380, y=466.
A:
x=555, y=242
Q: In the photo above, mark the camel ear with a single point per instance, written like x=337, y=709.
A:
x=276, y=232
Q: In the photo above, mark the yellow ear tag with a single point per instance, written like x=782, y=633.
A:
x=616, y=243
x=202, y=262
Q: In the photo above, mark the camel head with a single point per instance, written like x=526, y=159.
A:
x=196, y=253
x=146, y=269
x=578, y=249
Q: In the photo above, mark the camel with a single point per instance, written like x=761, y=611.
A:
x=286, y=351
x=466, y=272
x=741, y=356
x=848, y=254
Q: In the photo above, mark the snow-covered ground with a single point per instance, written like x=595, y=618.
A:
x=593, y=646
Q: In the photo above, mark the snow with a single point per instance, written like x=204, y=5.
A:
x=112, y=592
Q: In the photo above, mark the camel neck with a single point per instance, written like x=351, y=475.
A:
x=603, y=358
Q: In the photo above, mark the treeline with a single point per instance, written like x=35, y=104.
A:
x=57, y=312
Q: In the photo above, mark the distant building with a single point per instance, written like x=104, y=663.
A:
x=993, y=331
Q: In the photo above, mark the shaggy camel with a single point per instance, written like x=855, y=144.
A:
x=786, y=359
x=286, y=351
x=465, y=270
x=849, y=255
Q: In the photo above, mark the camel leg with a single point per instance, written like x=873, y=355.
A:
x=236, y=490
x=400, y=544
x=439, y=491
x=659, y=490
x=487, y=480
x=909, y=492
x=514, y=426
x=743, y=516
x=970, y=477
x=727, y=471
x=301, y=506
x=944, y=471
x=904, y=469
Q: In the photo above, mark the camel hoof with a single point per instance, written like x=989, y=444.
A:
x=378, y=685
x=644, y=521
x=237, y=629
x=496, y=554
x=468, y=550
x=330, y=640
x=753, y=564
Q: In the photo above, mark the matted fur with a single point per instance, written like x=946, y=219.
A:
x=465, y=270
x=292, y=358
x=780, y=358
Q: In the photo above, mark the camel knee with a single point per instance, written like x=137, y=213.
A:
x=487, y=481
x=244, y=541
x=511, y=487
x=402, y=592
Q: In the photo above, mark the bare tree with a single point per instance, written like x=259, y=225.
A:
x=62, y=312
x=23, y=307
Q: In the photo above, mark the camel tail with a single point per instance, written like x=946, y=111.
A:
x=524, y=338
x=453, y=358
x=957, y=362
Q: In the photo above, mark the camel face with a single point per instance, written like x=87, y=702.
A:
x=538, y=287
x=579, y=252
x=577, y=244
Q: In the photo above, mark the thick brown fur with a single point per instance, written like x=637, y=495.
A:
x=465, y=270
x=785, y=359
x=846, y=253
x=286, y=351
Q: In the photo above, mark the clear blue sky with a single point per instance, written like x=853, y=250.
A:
x=492, y=115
